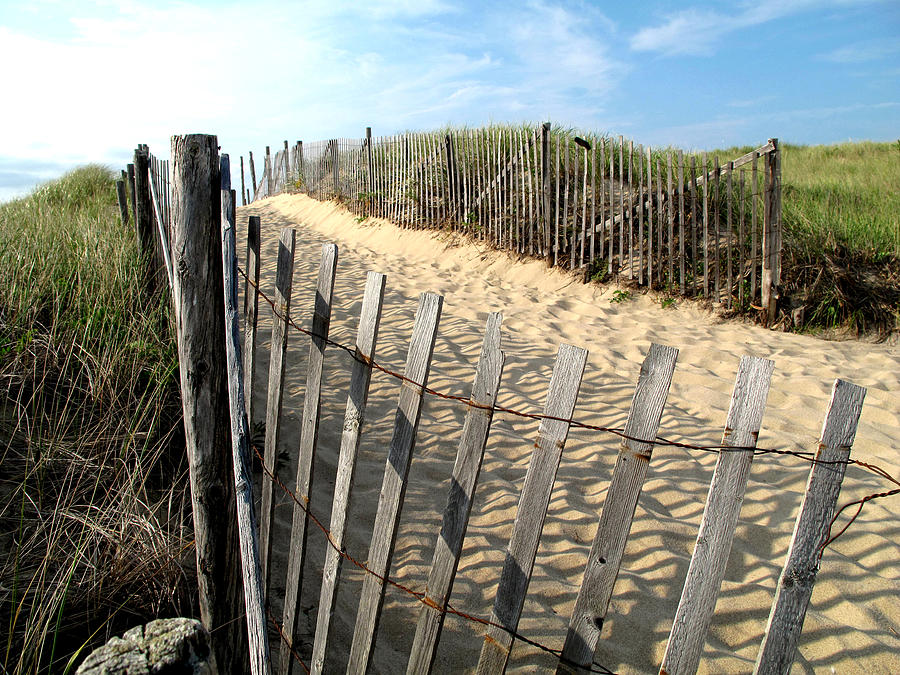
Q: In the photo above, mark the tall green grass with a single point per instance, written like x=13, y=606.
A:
x=93, y=526
x=845, y=195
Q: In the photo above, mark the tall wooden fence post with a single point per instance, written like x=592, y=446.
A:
x=243, y=187
x=371, y=173
x=200, y=324
x=300, y=163
x=143, y=218
x=452, y=187
x=123, y=201
x=545, y=190
x=771, y=258
x=813, y=526
x=251, y=312
x=268, y=172
x=130, y=178
x=335, y=168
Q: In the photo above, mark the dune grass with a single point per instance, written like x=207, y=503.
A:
x=94, y=517
x=841, y=218
x=846, y=194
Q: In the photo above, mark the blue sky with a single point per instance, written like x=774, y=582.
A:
x=86, y=82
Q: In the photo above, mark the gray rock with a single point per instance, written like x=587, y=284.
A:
x=162, y=647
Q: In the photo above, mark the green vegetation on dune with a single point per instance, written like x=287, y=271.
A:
x=841, y=215
x=92, y=488
x=846, y=194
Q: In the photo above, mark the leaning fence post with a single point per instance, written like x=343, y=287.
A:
x=268, y=172
x=243, y=187
x=545, y=189
x=143, y=219
x=532, y=510
x=254, y=596
x=469, y=458
x=395, y=480
x=335, y=168
x=371, y=173
x=251, y=311
x=200, y=325
x=123, y=201
x=723, y=505
x=612, y=532
x=771, y=258
x=253, y=184
x=795, y=585
x=130, y=175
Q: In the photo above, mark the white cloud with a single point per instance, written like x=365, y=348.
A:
x=697, y=31
x=862, y=52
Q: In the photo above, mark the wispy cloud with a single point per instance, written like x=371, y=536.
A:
x=861, y=52
x=698, y=31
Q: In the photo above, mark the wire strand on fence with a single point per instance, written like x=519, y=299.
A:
x=806, y=456
x=418, y=595
x=285, y=640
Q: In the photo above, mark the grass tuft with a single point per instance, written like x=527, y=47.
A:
x=94, y=513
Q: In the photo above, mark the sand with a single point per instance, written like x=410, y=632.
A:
x=853, y=623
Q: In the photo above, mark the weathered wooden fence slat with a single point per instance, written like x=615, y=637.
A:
x=123, y=201
x=160, y=224
x=396, y=472
x=469, y=457
x=795, y=584
x=309, y=436
x=720, y=516
x=619, y=506
x=280, y=317
x=354, y=418
x=254, y=593
x=532, y=509
x=251, y=312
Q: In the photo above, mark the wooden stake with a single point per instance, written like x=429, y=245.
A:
x=619, y=506
x=200, y=326
x=720, y=516
x=251, y=313
x=254, y=594
x=123, y=201
x=469, y=457
x=281, y=314
x=545, y=190
x=396, y=474
x=795, y=585
x=354, y=419
x=309, y=437
x=532, y=509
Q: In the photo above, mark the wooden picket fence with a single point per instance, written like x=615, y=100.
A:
x=185, y=209
x=687, y=224
x=707, y=567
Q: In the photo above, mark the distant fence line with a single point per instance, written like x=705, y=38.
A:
x=686, y=224
x=198, y=221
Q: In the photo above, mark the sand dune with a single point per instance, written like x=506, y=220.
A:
x=853, y=624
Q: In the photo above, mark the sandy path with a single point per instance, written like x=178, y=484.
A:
x=853, y=624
